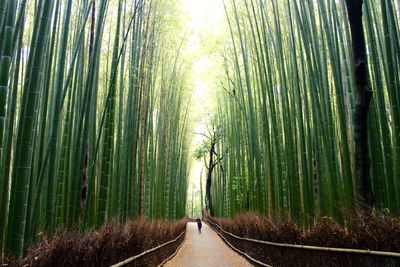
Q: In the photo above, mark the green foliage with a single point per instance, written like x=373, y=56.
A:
x=100, y=135
x=201, y=150
x=94, y=112
x=287, y=108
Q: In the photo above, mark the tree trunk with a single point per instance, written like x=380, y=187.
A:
x=362, y=100
x=143, y=154
x=209, y=175
x=143, y=124
x=201, y=190
x=84, y=192
x=92, y=28
x=192, y=201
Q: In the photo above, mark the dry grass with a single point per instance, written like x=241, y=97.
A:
x=111, y=243
x=373, y=231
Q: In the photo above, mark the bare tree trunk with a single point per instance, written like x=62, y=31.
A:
x=201, y=189
x=192, y=201
x=363, y=99
x=209, y=175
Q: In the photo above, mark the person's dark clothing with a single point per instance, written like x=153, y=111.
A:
x=199, y=224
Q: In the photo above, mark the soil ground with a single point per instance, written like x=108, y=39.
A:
x=205, y=249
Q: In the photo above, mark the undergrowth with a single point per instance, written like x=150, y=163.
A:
x=369, y=231
x=110, y=244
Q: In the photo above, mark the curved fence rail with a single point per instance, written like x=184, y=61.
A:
x=172, y=255
x=235, y=249
x=316, y=248
x=129, y=260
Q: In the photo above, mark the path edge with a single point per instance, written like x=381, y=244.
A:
x=176, y=251
x=241, y=253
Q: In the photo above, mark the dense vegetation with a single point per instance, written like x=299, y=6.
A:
x=93, y=116
x=110, y=244
x=370, y=232
x=287, y=110
x=95, y=103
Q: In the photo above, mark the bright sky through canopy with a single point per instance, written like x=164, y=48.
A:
x=205, y=24
x=206, y=30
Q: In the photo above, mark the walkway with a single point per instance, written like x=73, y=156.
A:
x=205, y=250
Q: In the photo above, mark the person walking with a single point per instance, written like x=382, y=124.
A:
x=199, y=224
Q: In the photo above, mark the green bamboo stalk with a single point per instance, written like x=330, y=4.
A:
x=20, y=184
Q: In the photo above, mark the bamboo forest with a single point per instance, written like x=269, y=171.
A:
x=275, y=123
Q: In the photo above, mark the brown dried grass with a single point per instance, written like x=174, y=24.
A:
x=372, y=230
x=110, y=244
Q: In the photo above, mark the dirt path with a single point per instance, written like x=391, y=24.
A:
x=206, y=250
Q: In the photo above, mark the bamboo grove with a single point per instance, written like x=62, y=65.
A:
x=286, y=109
x=93, y=116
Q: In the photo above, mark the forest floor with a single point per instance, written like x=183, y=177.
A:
x=205, y=249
